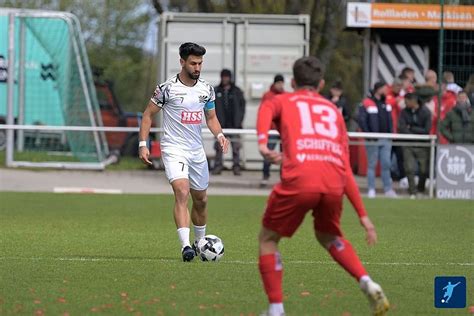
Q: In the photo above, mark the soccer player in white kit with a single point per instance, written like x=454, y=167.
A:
x=184, y=98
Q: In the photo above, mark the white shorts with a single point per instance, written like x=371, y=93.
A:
x=186, y=164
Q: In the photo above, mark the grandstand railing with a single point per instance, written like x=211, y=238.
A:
x=399, y=140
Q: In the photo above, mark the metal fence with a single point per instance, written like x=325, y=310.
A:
x=247, y=135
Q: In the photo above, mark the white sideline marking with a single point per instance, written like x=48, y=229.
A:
x=86, y=190
x=92, y=259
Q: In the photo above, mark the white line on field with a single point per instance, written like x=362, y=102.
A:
x=97, y=259
x=86, y=190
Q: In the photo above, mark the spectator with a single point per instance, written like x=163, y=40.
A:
x=336, y=96
x=431, y=79
x=278, y=87
x=407, y=85
x=415, y=119
x=409, y=73
x=448, y=76
x=428, y=96
x=375, y=117
x=397, y=103
x=469, y=89
x=230, y=110
x=458, y=126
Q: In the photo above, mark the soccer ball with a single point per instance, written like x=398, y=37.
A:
x=210, y=248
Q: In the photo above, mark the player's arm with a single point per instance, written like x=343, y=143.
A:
x=268, y=111
x=145, y=126
x=352, y=192
x=215, y=127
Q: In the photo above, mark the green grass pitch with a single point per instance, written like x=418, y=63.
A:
x=119, y=255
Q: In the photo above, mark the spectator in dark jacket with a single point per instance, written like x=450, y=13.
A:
x=375, y=117
x=336, y=96
x=458, y=126
x=230, y=110
x=415, y=119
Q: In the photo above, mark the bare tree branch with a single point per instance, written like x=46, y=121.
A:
x=205, y=6
x=292, y=7
x=157, y=5
x=234, y=6
x=315, y=28
x=331, y=30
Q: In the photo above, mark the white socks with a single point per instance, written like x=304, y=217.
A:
x=276, y=309
x=199, y=232
x=183, y=235
x=363, y=282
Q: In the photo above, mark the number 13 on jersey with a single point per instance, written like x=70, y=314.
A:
x=326, y=125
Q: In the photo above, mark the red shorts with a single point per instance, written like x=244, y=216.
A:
x=285, y=212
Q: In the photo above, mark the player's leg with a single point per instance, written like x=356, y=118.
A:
x=271, y=270
x=236, y=145
x=385, y=163
x=176, y=169
x=282, y=217
x=423, y=158
x=181, y=216
x=199, y=181
x=372, y=150
x=410, y=167
x=327, y=215
x=199, y=214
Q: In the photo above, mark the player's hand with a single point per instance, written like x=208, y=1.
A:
x=224, y=143
x=270, y=155
x=371, y=234
x=144, y=154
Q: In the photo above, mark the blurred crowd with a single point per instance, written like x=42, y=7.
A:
x=402, y=106
x=406, y=107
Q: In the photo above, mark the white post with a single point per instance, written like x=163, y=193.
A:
x=21, y=86
x=10, y=85
x=432, y=166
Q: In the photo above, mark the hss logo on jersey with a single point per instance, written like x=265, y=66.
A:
x=191, y=117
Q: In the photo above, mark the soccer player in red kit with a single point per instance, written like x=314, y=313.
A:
x=315, y=175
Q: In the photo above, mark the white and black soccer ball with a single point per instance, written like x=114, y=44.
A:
x=210, y=248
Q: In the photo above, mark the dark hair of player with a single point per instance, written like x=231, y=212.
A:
x=188, y=48
x=308, y=71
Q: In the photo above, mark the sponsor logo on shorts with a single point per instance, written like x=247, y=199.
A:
x=191, y=117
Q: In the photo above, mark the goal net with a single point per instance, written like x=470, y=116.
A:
x=52, y=85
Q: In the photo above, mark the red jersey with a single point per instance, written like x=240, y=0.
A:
x=315, y=145
x=394, y=99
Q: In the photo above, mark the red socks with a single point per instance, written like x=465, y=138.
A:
x=343, y=253
x=271, y=271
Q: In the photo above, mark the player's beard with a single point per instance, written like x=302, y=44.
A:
x=194, y=75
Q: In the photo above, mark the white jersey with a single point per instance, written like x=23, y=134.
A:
x=183, y=111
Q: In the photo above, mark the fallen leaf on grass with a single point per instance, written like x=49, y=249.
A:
x=305, y=293
x=61, y=300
